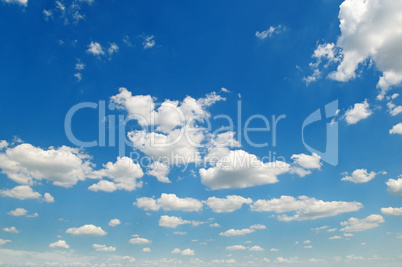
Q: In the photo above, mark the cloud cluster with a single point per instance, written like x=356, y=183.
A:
x=394, y=186
x=59, y=244
x=358, y=112
x=104, y=248
x=370, y=29
x=304, y=208
x=360, y=176
x=185, y=252
x=64, y=166
x=86, y=230
x=356, y=225
x=240, y=169
x=169, y=202
x=228, y=204
x=124, y=174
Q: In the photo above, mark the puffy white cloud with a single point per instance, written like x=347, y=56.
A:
x=105, y=248
x=185, y=252
x=103, y=185
x=234, y=232
x=177, y=147
x=147, y=203
x=18, y=212
x=176, y=137
x=370, y=29
x=172, y=202
x=146, y=250
x=11, y=230
x=160, y=171
x=391, y=211
x=3, y=144
x=274, y=250
x=114, y=222
x=335, y=237
x=256, y=248
x=20, y=2
x=327, y=52
x=48, y=198
x=305, y=208
x=396, y=129
x=394, y=109
x=258, y=227
x=3, y=241
x=360, y=111
x=394, y=186
x=356, y=225
x=214, y=225
x=172, y=221
x=87, y=230
x=270, y=32
x=124, y=173
x=139, y=241
x=360, y=176
x=239, y=169
x=169, y=202
x=228, y=204
x=306, y=161
x=63, y=166
x=59, y=244
x=236, y=247
x=20, y=192
x=95, y=49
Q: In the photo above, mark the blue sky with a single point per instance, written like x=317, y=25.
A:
x=175, y=90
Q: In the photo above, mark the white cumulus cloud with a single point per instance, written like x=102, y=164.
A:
x=304, y=208
x=228, y=204
x=360, y=176
x=356, y=225
x=59, y=244
x=87, y=230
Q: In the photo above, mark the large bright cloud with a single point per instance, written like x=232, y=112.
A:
x=20, y=2
x=356, y=225
x=239, y=169
x=172, y=221
x=87, y=230
x=396, y=129
x=237, y=232
x=20, y=192
x=59, y=244
x=358, y=112
x=124, y=173
x=18, y=212
x=360, y=176
x=391, y=211
x=394, y=186
x=304, y=208
x=228, y=204
x=169, y=202
x=64, y=166
x=370, y=29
